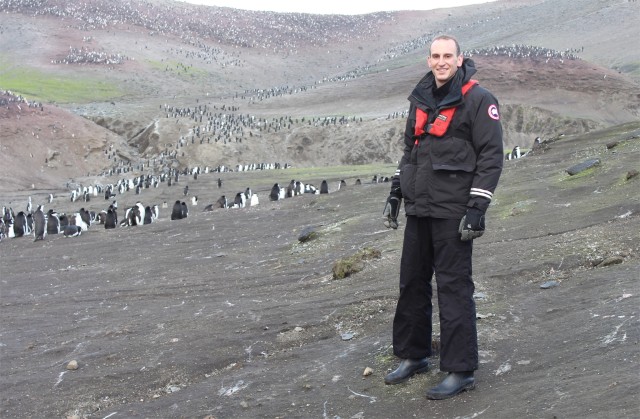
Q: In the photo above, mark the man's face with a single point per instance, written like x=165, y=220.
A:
x=443, y=60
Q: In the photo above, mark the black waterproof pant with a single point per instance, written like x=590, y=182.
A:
x=433, y=245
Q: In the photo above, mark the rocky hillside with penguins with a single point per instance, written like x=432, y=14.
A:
x=148, y=87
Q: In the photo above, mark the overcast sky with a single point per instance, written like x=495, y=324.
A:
x=343, y=7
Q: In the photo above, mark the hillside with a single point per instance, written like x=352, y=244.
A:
x=122, y=70
x=228, y=314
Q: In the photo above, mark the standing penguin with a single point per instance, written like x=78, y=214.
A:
x=53, y=222
x=275, y=192
x=324, y=187
x=112, y=219
x=176, y=211
x=39, y=224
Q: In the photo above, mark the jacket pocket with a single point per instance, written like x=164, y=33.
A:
x=453, y=161
x=408, y=182
x=453, y=153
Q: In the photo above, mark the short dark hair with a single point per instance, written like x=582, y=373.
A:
x=446, y=38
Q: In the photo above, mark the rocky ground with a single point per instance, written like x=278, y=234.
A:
x=226, y=314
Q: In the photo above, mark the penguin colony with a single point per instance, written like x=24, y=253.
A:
x=41, y=222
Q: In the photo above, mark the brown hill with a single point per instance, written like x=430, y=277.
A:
x=129, y=68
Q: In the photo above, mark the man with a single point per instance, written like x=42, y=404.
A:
x=447, y=175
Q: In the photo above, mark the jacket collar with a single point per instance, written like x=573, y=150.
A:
x=422, y=94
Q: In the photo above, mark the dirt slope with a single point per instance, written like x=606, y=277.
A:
x=226, y=314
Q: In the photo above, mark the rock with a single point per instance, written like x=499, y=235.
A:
x=72, y=365
x=367, y=371
x=479, y=296
x=347, y=336
x=631, y=174
x=612, y=144
x=613, y=260
x=549, y=284
x=580, y=167
x=308, y=233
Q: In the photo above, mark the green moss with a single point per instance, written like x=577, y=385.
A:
x=353, y=264
x=37, y=85
x=341, y=172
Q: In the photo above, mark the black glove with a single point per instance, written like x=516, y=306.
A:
x=391, y=211
x=472, y=224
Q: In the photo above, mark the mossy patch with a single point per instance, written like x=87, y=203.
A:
x=37, y=85
x=355, y=263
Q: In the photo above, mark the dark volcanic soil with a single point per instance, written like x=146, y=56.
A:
x=227, y=315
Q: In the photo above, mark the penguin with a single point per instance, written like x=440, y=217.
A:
x=291, y=189
x=275, y=192
x=222, y=202
x=324, y=187
x=140, y=213
x=309, y=188
x=238, y=201
x=29, y=205
x=29, y=225
x=133, y=216
x=248, y=194
x=219, y=183
x=64, y=221
x=194, y=200
x=86, y=217
x=184, y=209
x=176, y=211
x=39, y=224
x=208, y=208
x=155, y=213
x=147, y=215
x=20, y=225
x=76, y=220
x=111, y=220
x=358, y=182
x=53, y=222
x=72, y=231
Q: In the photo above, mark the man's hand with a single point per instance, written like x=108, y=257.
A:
x=391, y=211
x=472, y=224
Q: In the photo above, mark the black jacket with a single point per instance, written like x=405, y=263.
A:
x=442, y=177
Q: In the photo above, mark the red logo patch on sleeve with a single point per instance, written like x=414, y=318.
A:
x=493, y=112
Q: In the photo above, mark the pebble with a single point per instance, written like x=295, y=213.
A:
x=72, y=365
x=367, y=371
x=549, y=284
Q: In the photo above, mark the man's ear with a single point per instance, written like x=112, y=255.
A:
x=460, y=60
